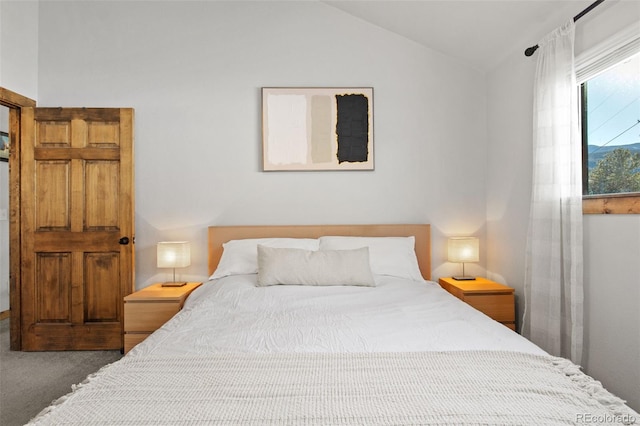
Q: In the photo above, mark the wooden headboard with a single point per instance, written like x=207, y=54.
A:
x=422, y=232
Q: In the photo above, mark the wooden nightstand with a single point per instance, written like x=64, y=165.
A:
x=146, y=310
x=493, y=299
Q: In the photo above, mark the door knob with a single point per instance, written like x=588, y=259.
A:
x=124, y=241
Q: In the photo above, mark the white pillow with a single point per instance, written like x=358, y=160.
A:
x=305, y=267
x=394, y=256
x=241, y=256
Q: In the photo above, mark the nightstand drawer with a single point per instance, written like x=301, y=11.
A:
x=148, y=316
x=497, y=306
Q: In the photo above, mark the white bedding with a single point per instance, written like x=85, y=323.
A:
x=398, y=315
x=403, y=352
x=406, y=388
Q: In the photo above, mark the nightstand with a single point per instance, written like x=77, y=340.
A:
x=495, y=300
x=146, y=310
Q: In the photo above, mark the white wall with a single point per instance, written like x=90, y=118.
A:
x=612, y=243
x=19, y=47
x=193, y=72
x=18, y=72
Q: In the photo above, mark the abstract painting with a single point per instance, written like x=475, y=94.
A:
x=317, y=128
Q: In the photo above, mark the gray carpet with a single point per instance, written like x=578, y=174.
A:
x=30, y=381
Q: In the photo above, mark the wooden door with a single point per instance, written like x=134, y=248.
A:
x=77, y=229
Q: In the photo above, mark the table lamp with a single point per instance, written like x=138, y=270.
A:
x=463, y=249
x=174, y=254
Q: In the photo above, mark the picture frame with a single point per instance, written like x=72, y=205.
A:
x=4, y=146
x=317, y=128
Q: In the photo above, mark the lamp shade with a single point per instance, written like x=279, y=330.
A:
x=174, y=254
x=464, y=249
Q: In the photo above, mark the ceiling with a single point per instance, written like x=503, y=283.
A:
x=480, y=33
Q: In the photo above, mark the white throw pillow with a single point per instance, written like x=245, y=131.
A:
x=241, y=256
x=395, y=256
x=315, y=268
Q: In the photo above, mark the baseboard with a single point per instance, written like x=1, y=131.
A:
x=5, y=314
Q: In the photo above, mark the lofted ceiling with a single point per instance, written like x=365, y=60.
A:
x=479, y=33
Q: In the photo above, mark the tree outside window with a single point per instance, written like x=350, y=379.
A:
x=611, y=130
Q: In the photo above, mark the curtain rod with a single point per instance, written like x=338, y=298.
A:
x=531, y=50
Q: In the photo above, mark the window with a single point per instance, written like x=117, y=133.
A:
x=609, y=78
x=611, y=130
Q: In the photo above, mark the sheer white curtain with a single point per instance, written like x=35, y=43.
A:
x=554, y=264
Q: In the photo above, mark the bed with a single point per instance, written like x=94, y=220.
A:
x=333, y=325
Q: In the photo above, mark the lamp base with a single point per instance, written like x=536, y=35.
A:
x=464, y=278
x=173, y=284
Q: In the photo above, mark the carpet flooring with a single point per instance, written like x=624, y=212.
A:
x=30, y=381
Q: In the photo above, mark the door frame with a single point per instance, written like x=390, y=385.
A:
x=15, y=102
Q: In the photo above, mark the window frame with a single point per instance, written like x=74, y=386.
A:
x=628, y=203
x=626, y=43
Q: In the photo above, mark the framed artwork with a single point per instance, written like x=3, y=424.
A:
x=319, y=128
x=4, y=146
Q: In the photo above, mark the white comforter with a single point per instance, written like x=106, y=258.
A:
x=400, y=353
x=401, y=388
x=398, y=315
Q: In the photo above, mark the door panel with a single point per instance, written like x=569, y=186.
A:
x=101, y=298
x=77, y=202
x=52, y=272
x=101, y=209
x=52, y=192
